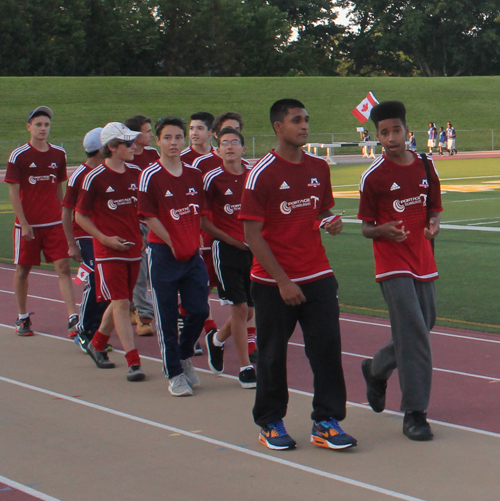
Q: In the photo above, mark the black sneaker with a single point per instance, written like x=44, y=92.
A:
x=99, y=357
x=416, y=427
x=82, y=341
x=135, y=373
x=23, y=327
x=73, y=320
x=215, y=353
x=248, y=378
x=375, y=388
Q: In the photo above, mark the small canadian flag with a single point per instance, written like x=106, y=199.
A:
x=364, y=108
x=83, y=272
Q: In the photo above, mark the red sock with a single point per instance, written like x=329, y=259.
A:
x=209, y=325
x=251, y=339
x=182, y=311
x=100, y=341
x=133, y=358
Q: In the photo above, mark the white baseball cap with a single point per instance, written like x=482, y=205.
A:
x=42, y=109
x=116, y=130
x=92, y=140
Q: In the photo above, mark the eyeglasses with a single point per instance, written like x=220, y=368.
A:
x=128, y=144
x=226, y=142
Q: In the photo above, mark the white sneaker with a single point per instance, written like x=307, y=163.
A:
x=179, y=387
x=190, y=373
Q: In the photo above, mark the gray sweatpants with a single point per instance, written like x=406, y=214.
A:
x=412, y=310
x=142, y=296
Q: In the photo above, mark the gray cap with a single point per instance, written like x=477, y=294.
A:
x=42, y=109
x=92, y=140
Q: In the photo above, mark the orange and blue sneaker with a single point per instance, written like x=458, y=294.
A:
x=330, y=435
x=275, y=437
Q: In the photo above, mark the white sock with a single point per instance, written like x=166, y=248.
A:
x=246, y=367
x=216, y=341
x=22, y=316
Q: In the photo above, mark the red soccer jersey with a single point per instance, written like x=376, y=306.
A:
x=223, y=192
x=391, y=192
x=38, y=174
x=288, y=198
x=189, y=154
x=71, y=197
x=177, y=202
x=207, y=162
x=109, y=198
x=148, y=157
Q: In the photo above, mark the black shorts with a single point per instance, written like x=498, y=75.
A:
x=232, y=270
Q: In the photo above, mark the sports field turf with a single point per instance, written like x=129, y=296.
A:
x=82, y=103
x=467, y=257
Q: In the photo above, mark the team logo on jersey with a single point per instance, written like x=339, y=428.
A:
x=169, y=194
x=110, y=190
x=395, y=186
x=401, y=205
x=284, y=186
x=53, y=165
x=35, y=179
x=195, y=208
x=114, y=204
x=33, y=165
x=228, y=192
x=424, y=184
x=314, y=182
x=178, y=213
x=287, y=207
x=133, y=187
x=229, y=209
x=192, y=191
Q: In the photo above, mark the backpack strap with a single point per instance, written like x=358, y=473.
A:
x=423, y=156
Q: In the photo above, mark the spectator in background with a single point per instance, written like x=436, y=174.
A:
x=442, y=140
x=367, y=150
x=432, y=137
x=451, y=136
x=413, y=142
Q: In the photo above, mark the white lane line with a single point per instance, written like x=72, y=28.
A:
x=36, y=297
x=218, y=443
x=445, y=334
x=26, y=490
x=298, y=392
x=53, y=275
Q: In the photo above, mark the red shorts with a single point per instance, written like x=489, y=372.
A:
x=116, y=279
x=50, y=240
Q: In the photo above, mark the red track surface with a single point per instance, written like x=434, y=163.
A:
x=466, y=370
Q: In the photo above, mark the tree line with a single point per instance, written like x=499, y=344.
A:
x=248, y=38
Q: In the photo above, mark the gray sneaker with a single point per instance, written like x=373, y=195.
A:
x=179, y=387
x=99, y=357
x=190, y=373
x=135, y=373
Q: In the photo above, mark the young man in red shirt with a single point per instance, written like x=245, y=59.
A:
x=107, y=210
x=232, y=258
x=145, y=155
x=200, y=133
x=35, y=173
x=400, y=208
x=287, y=195
x=171, y=202
x=80, y=242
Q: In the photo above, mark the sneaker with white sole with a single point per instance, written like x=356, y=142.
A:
x=248, y=378
x=215, y=353
x=178, y=386
x=190, y=374
x=72, y=322
x=275, y=437
x=329, y=434
x=23, y=326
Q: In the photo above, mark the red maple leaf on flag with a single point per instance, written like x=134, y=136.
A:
x=365, y=107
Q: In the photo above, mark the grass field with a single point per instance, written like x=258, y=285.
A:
x=81, y=104
x=467, y=258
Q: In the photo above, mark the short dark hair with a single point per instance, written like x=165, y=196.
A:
x=229, y=115
x=205, y=117
x=279, y=110
x=230, y=130
x=386, y=110
x=136, y=122
x=163, y=122
x=106, y=151
x=92, y=153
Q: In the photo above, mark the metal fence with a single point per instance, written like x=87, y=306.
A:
x=257, y=146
